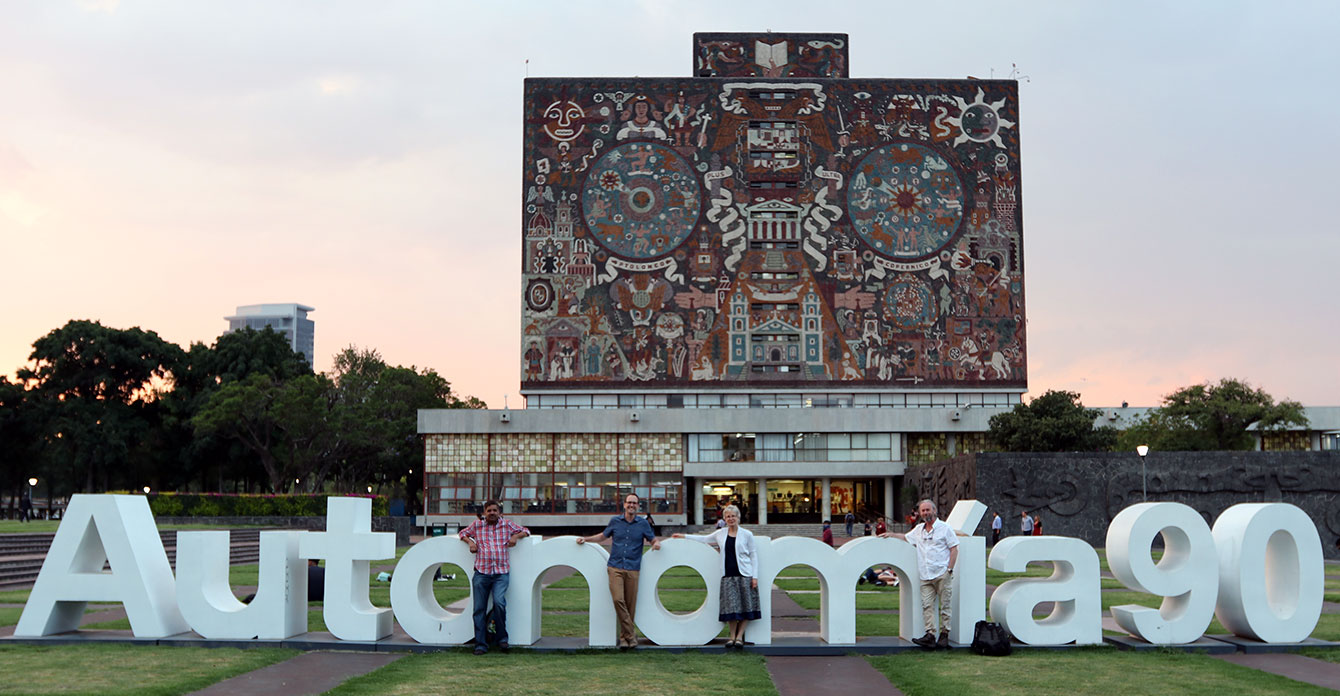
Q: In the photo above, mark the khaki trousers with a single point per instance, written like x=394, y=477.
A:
x=930, y=589
x=623, y=587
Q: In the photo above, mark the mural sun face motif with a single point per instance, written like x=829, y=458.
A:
x=980, y=121
x=562, y=121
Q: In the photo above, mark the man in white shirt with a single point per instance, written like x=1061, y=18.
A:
x=937, y=553
x=1025, y=524
x=995, y=530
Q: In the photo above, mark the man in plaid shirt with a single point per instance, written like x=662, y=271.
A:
x=489, y=540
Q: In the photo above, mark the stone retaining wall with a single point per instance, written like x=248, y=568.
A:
x=399, y=525
x=1077, y=494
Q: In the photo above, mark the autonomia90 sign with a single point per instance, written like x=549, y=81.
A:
x=1259, y=570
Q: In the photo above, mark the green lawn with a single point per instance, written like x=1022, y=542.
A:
x=49, y=526
x=1078, y=672
x=668, y=582
x=613, y=674
x=1323, y=654
x=125, y=669
x=9, y=616
x=1111, y=599
x=864, y=600
x=579, y=600
x=14, y=596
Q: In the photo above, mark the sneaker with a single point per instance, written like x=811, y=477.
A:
x=943, y=643
x=927, y=641
x=861, y=580
x=480, y=650
x=504, y=648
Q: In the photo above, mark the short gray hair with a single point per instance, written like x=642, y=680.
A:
x=934, y=508
x=730, y=508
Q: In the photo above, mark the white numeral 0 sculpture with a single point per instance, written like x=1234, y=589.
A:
x=1270, y=572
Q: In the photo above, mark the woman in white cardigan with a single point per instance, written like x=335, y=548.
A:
x=739, y=573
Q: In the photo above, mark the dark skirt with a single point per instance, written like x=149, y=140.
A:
x=739, y=600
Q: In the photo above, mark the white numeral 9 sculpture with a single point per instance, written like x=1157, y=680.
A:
x=1187, y=577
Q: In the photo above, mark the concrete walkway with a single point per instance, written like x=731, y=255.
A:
x=827, y=676
x=1296, y=667
x=308, y=673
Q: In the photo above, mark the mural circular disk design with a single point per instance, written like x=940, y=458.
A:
x=539, y=295
x=909, y=303
x=905, y=201
x=641, y=200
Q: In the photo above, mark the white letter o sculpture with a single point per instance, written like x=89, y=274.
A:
x=1270, y=572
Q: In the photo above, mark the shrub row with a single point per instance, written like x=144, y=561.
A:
x=243, y=505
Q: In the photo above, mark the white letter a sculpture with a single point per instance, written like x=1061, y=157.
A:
x=117, y=530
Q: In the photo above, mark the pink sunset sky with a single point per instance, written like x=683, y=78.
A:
x=163, y=162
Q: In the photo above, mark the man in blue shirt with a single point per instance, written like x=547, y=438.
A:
x=628, y=532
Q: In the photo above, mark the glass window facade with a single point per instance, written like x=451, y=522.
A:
x=794, y=447
x=776, y=400
x=553, y=473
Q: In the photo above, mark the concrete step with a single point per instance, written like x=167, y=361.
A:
x=20, y=569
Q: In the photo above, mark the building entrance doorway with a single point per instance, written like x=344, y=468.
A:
x=741, y=493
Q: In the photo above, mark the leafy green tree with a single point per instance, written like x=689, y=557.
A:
x=237, y=354
x=92, y=387
x=288, y=426
x=18, y=456
x=379, y=417
x=204, y=454
x=1053, y=422
x=1208, y=417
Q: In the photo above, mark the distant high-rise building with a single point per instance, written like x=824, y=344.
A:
x=288, y=319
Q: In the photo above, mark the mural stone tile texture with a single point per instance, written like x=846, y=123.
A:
x=771, y=222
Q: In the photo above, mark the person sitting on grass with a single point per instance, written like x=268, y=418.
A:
x=885, y=577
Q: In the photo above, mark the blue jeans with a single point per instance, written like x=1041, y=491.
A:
x=482, y=587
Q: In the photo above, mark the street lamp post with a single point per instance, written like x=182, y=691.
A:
x=32, y=502
x=1142, y=450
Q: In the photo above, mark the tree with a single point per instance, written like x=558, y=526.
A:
x=92, y=386
x=244, y=352
x=379, y=416
x=18, y=456
x=287, y=425
x=1213, y=417
x=1053, y=422
x=192, y=453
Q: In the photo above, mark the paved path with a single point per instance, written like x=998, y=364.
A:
x=827, y=676
x=308, y=673
x=1296, y=667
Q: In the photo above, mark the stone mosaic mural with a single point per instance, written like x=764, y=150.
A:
x=774, y=225
x=769, y=55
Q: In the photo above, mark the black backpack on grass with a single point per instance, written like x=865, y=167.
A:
x=990, y=638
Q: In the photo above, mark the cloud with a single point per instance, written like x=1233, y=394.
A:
x=13, y=165
x=337, y=84
x=19, y=209
x=107, y=6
